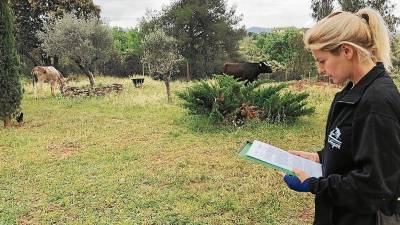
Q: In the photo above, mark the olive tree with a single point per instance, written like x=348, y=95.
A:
x=87, y=42
x=160, y=51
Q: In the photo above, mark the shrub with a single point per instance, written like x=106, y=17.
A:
x=226, y=100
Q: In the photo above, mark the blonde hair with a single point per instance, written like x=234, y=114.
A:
x=365, y=30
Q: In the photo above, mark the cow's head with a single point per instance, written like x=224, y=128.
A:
x=39, y=70
x=264, y=67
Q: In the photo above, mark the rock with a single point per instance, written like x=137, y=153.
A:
x=89, y=91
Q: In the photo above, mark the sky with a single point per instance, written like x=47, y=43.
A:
x=260, y=13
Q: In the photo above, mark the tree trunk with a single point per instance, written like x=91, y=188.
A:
x=56, y=62
x=46, y=59
x=143, y=69
x=192, y=66
x=150, y=74
x=87, y=72
x=7, y=121
x=188, y=76
x=166, y=81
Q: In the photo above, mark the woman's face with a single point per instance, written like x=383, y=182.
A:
x=337, y=67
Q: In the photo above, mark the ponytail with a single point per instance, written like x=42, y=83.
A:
x=380, y=36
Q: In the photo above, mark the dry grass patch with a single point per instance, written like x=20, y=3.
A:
x=65, y=149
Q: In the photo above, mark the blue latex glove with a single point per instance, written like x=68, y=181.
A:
x=294, y=183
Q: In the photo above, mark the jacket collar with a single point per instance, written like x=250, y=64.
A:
x=352, y=95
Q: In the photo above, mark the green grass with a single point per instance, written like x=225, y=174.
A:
x=131, y=158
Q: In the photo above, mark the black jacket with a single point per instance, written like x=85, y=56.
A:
x=361, y=154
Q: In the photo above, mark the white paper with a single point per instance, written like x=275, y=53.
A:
x=283, y=159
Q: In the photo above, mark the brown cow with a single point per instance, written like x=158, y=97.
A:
x=47, y=74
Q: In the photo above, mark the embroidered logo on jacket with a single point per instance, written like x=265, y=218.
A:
x=334, y=138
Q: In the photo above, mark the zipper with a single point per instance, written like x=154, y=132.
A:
x=350, y=103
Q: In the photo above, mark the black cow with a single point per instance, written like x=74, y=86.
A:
x=246, y=71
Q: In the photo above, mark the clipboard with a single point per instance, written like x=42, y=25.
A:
x=310, y=167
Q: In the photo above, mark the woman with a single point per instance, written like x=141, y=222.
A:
x=361, y=155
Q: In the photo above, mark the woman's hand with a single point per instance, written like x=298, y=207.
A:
x=301, y=174
x=300, y=182
x=307, y=155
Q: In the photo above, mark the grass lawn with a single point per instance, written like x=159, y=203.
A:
x=131, y=158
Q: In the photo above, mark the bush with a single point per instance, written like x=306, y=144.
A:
x=226, y=100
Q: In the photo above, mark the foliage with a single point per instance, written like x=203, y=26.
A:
x=217, y=100
x=129, y=41
x=125, y=57
x=277, y=44
x=226, y=100
x=33, y=15
x=205, y=31
x=122, y=65
x=160, y=51
x=86, y=42
x=286, y=47
x=322, y=8
x=10, y=87
x=396, y=54
x=249, y=50
x=28, y=22
x=55, y=9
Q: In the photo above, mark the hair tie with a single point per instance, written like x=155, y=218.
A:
x=365, y=17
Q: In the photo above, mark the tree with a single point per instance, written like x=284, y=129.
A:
x=287, y=48
x=28, y=22
x=321, y=8
x=205, y=30
x=129, y=41
x=352, y=5
x=10, y=86
x=85, y=42
x=249, y=50
x=160, y=50
x=33, y=15
x=127, y=53
x=396, y=54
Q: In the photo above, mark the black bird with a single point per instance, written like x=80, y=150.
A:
x=20, y=118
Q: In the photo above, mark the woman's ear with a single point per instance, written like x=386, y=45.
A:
x=347, y=50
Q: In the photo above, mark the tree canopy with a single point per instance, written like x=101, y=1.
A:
x=33, y=15
x=85, y=42
x=128, y=41
x=322, y=8
x=207, y=32
x=287, y=48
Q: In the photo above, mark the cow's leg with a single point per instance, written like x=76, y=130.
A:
x=40, y=87
x=35, y=90
x=53, y=85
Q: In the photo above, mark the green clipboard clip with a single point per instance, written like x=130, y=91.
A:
x=243, y=152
